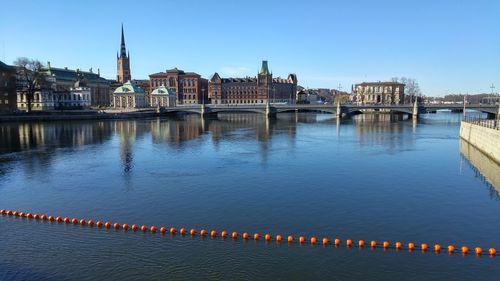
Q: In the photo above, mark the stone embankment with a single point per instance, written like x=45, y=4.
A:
x=483, y=135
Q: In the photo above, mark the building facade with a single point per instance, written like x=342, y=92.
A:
x=8, y=94
x=379, y=93
x=128, y=96
x=189, y=87
x=123, y=63
x=163, y=97
x=253, y=90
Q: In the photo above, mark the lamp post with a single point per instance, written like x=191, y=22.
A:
x=203, y=96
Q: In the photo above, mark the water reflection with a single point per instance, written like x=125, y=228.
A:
x=484, y=167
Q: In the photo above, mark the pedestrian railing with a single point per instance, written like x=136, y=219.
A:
x=487, y=123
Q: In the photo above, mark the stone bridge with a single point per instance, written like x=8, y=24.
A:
x=338, y=109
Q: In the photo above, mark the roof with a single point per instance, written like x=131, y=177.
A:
x=162, y=90
x=264, y=69
x=176, y=71
x=73, y=75
x=129, y=88
x=380, y=84
x=4, y=66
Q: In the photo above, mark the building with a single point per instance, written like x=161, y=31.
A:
x=129, y=96
x=163, y=97
x=189, y=86
x=7, y=88
x=379, y=93
x=64, y=79
x=56, y=94
x=123, y=63
x=253, y=90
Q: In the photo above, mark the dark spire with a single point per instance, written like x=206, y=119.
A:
x=123, y=50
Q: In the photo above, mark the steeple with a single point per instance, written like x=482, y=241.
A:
x=123, y=50
x=264, y=70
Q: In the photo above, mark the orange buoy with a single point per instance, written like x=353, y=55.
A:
x=15, y=213
x=437, y=248
x=361, y=243
x=153, y=229
x=398, y=245
x=348, y=242
x=125, y=226
x=302, y=240
x=74, y=221
x=203, y=232
x=163, y=230
x=385, y=244
x=411, y=246
x=234, y=235
x=492, y=252
x=256, y=236
x=325, y=241
x=267, y=237
x=30, y=216
x=478, y=251
x=373, y=244
x=424, y=247
x=134, y=227
x=290, y=239
x=107, y=225
x=278, y=238
x=336, y=242
x=224, y=234
x=90, y=223
x=245, y=236
x=51, y=218
x=173, y=230
x=66, y=220
x=58, y=219
x=9, y=213
x=3, y=212
x=313, y=241
x=43, y=217
x=144, y=228
x=82, y=222
x=465, y=250
x=192, y=232
x=451, y=249
x=182, y=231
x=99, y=224
x=213, y=233
x=21, y=214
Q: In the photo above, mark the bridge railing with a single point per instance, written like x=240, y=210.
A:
x=488, y=123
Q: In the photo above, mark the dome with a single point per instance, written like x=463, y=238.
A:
x=162, y=90
x=129, y=88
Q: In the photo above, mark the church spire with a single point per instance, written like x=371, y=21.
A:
x=123, y=50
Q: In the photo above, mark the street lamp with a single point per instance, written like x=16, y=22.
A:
x=203, y=96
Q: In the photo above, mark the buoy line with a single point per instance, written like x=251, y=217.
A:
x=464, y=250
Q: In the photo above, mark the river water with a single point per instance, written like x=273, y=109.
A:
x=373, y=177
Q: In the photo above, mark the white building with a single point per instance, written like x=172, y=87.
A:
x=129, y=96
x=163, y=97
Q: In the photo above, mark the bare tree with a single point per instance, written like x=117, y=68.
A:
x=31, y=77
x=412, y=89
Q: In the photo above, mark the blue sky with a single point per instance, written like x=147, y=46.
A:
x=447, y=46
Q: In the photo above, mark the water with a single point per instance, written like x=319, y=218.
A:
x=372, y=177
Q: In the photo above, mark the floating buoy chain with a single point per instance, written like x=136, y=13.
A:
x=246, y=236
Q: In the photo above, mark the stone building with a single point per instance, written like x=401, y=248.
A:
x=253, y=90
x=189, y=87
x=163, y=97
x=7, y=88
x=129, y=96
x=379, y=93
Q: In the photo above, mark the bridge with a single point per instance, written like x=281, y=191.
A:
x=337, y=109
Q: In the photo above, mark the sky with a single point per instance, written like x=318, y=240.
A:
x=448, y=46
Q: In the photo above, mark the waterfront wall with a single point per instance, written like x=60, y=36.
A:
x=484, y=164
x=486, y=140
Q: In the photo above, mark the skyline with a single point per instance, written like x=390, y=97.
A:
x=453, y=47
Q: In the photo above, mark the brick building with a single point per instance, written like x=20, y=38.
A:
x=253, y=90
x=379, y=93
x=189, y=86
x=7, y=88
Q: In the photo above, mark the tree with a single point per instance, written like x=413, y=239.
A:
x=412, y=89
x=31, y=77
